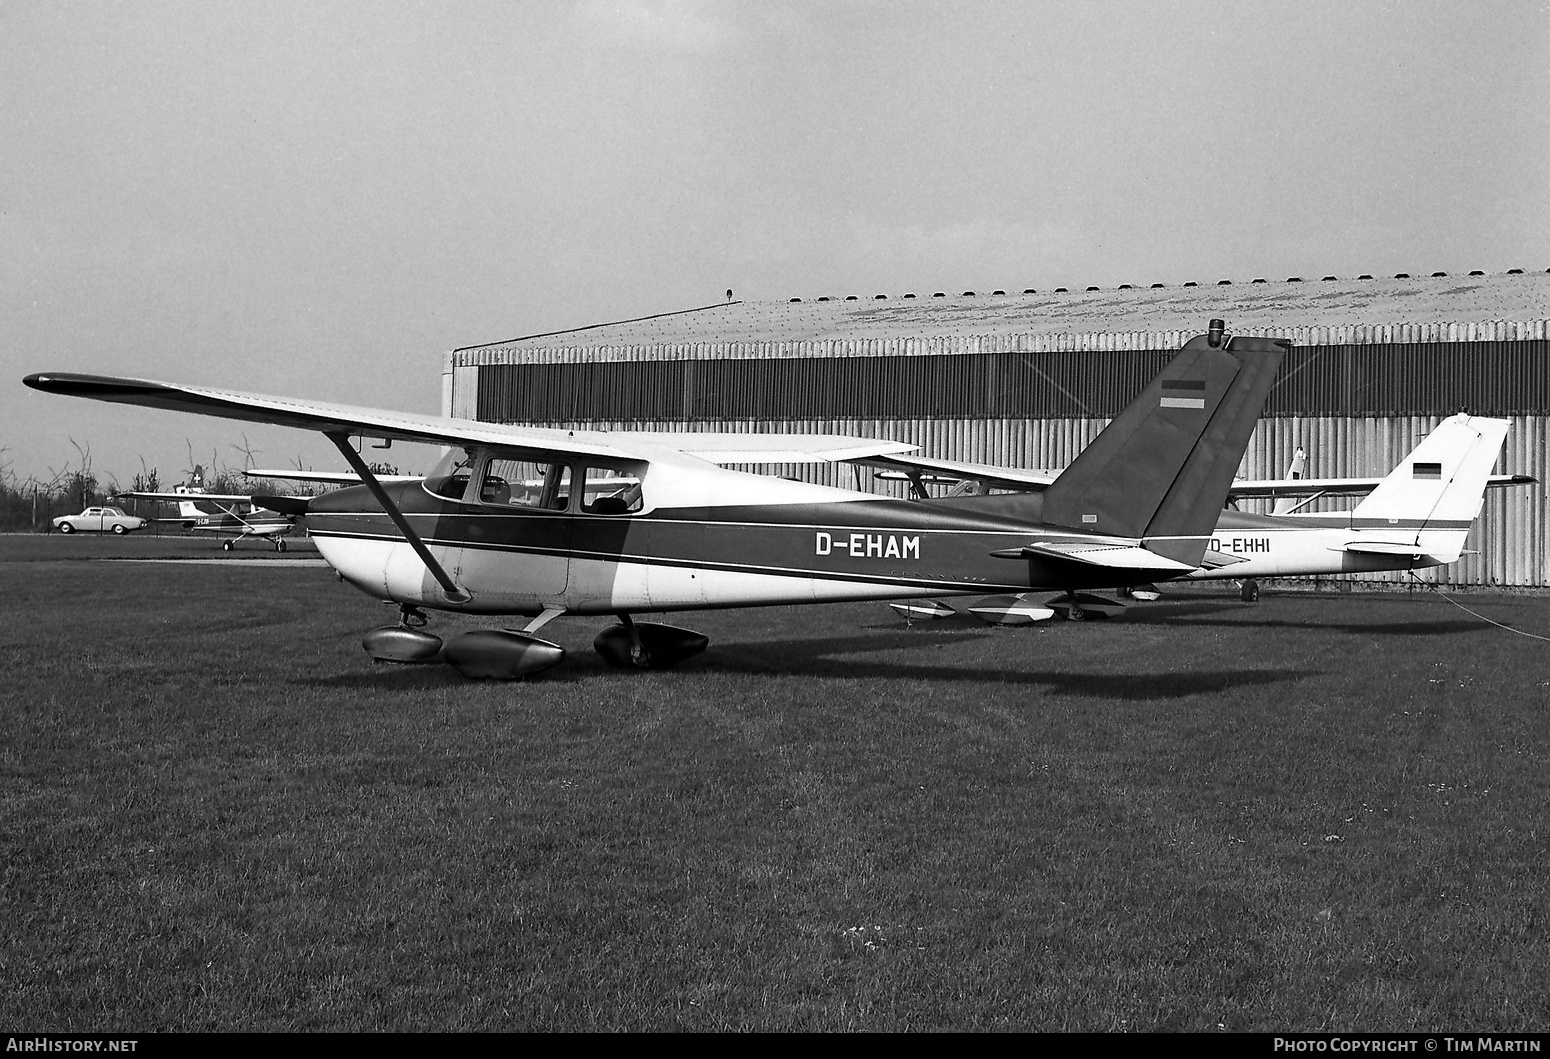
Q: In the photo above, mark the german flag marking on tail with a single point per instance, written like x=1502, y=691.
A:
x=1183, y=393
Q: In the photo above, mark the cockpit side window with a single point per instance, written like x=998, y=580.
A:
x=525, y=483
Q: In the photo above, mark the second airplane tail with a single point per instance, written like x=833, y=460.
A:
x=1161, y=470
x=1428, y=502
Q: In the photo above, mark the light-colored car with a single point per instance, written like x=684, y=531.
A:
x=100, y=520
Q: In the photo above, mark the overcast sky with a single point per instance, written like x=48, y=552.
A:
x=320, y=198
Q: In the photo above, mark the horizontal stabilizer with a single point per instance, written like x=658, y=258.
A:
x=1098, y=553
x=1381, y=548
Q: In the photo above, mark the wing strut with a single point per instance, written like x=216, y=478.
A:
x=454, y=592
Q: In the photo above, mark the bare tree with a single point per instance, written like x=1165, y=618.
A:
x=83, y=483
x=248, y=452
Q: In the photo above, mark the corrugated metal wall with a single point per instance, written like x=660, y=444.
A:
x=1489, y=377
x=1357, y=399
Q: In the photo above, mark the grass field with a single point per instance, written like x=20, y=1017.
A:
x=1313, y=813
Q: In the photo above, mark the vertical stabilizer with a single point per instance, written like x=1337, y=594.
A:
x=1441, y=484
x=186, y=507
x=1285, y=505
x=1162, y=468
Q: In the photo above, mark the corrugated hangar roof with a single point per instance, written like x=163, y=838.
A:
x=1247, y=306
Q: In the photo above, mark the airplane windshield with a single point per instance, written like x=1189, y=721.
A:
x=450, y=476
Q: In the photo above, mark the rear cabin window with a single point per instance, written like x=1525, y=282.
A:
x=525, y=483
x=608, y=491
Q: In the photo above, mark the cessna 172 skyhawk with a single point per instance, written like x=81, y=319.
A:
x=501, y=526
x=1418, y=516
x=234, y=516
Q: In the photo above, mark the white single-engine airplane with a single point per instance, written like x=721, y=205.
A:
x=544, y=522
x=232, y=515
x=1418, y=516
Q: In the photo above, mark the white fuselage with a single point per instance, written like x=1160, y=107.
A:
x=1296, y=546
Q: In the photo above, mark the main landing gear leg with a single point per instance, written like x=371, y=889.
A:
x=640, y=657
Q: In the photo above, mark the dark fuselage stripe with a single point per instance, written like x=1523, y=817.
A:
x=699, y=564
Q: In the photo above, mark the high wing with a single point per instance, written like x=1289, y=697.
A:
x=219, y=498
x=349, y=420
x=1315, y=487
x=897, y=467
x=330, y=477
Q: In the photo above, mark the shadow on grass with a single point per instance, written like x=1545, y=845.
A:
x=1388, y=628
x=836, y=656
x=1136, y=686
x=1231, y=613
x=432, y=676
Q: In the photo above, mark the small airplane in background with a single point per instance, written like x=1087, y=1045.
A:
x=545, y=522
x=234, y=516
x=1418, y=516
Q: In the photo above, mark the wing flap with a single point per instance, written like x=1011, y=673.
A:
x=724, y=448
x=894, y=465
